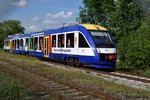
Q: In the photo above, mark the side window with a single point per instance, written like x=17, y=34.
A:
x=82, y=41
x=27, y=43
x=70, y=40
x=31, y=43
x=6, y=43
x=61, y=40
x=13, y=44
x=21, y=42
x=53, y=40
x=27, y=40
x=18, y=43
x=40, y=43
x=36, y=43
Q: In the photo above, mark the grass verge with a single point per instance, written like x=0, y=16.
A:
x=120, y=91
x=10, y=89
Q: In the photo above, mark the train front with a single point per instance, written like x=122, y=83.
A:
x=105, y=50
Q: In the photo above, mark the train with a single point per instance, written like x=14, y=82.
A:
x=77, y=44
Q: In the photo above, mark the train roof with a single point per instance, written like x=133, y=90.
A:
x=93, y=27
x=59, y=30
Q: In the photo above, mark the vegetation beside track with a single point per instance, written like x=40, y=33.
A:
x=33, y=64
x=10, y=89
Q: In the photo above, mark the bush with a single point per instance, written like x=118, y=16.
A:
x=134, y=49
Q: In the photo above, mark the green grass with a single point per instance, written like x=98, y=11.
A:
x=1, y=50
x=10, y=89
x=28, y=62
x=147, y=72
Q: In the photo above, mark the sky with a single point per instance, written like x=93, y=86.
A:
x=37, y=15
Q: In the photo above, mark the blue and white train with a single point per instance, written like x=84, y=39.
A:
x=76, y=44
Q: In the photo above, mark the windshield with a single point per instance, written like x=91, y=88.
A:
x=102, y=38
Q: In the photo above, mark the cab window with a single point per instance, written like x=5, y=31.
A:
x=82, y=42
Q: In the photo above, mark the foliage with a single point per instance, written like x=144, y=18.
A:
x=10, y=27
x=96, y=11
x=147, y=72
x=126, y=18
x=134, y=49
x=10, y=89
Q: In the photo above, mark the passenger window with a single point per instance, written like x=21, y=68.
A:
x=21, y=42
x=82, y=41
x=31, y=43
x=27, y=43
x=6, y=43
x=70, y=40
x=53, y=40
x=18, y=44
x=40, y=43
x=27, y=40
x=61, y=40
x=36, y=43
x=13, y=44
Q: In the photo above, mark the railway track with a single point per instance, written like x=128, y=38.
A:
x=145, y=79
x=129, y=76
x=136, y=81
x=121, y=74
x=52, y=85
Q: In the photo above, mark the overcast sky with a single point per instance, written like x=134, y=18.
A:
x=37, y=15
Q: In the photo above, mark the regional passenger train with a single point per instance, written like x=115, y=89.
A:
x=75, y=44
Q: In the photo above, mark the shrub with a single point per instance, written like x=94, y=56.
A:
x=134, y=49
x=10, y=89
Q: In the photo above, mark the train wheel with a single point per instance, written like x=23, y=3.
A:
x=76, y=62
x=70, y=61
x=65, y=61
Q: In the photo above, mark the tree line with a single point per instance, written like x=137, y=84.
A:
x=130, y=26
x=9, y=27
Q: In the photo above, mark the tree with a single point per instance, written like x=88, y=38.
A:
x=9, y=27
x=136, y=54
x=96, y=11
x=125, y=21
x=126, y=18
x=13, y=27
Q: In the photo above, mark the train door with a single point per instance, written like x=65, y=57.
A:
x=46, y=46
x=11, y=44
